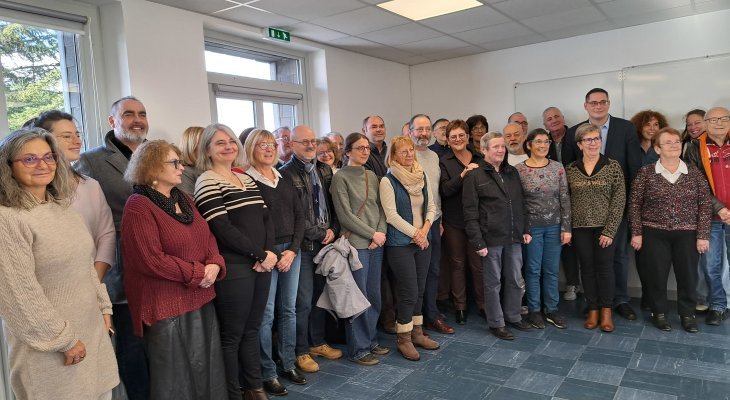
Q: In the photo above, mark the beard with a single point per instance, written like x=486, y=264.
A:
x=132, y=137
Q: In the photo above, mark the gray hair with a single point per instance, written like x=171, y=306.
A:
x=12, y=194
x=203, y=162
x=584, y=130
x=115, y=105
x=337, y=134
x=484, y=141
x=277, y=131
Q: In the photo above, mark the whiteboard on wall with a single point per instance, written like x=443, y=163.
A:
x=568, y=94
x=674, y=88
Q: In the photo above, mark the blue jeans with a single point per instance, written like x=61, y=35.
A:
x=310, y=318
x=361, y=332
x=713, y=267
x=282, y=301
x=543, y=258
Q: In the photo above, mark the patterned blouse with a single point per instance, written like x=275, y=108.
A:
x=547, y=200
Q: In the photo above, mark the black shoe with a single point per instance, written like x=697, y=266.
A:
x=535, y=319
x=625, y=311
x=521, y=325
x=275, y=388
x=460, y=317
x=295, y=377
x=689, y=324
x=556, y=319
x=483, y=314
x=715, y=317
x=502, y=333
x=660, y=321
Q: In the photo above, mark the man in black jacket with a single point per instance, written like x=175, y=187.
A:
x=618, y=142
x=312, y=180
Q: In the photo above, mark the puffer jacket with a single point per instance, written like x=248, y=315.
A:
x=341, y=296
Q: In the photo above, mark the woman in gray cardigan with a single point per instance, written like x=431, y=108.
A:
x=356, y=200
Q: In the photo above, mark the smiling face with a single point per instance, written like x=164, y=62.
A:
x=669, y=145
x=590, y=144
x=695, y=125
x=405, y=154
x=68, y=139
x=130, y=122
x=439, y=131
x=265, y=157
x=457, y=139
x=34, y=178
x=375, y=130
x=539, y=146
x=597, y=107
x=421, y=132
x=514, y=137
x=222, y=150
x=719, y=129
x=325, y=154
x=495, y=151
x=359, y=153
x=650, y=129
x=553, y=120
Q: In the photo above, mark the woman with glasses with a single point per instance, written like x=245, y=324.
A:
x=54, y=309
x=409, y=212
x=547, y=203
x=288, y=214
x=171, y=261
x=242, y=223
x=88, y=199
x=597, y=198
x=669, y=213
x=478, y=126
x=355, y=197
x=458, y=250
x=327, y=153
x=648, y=123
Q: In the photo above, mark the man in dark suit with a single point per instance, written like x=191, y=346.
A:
x=106, y=164
x=619, y=142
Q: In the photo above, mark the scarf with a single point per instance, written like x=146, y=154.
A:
x=412, y=180
x=167, y=204
x=319, y=201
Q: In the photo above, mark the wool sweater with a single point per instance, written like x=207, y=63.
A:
x=659, y=204
x=164, y=262
x=50, y=298
x=89, y=201
x=287, y=211
x=348, y=195
x=597, y=200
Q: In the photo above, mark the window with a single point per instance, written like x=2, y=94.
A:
x=251, y=86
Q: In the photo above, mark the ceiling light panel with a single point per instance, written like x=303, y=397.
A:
x=422, y=9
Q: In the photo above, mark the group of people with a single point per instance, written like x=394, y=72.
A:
x=214, y=255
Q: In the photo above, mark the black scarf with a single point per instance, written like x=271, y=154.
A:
x=167, y=204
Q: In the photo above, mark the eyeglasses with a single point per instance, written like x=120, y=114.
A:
x=362, y=149
x=672, y=143
x=32, y=160
x=716, y=120
x=523, y=123
x=284, y=139
x=175, y=163
x=422, y=130
x=70, y=137
x=478, y=129
x=406, y=152
x=266, y=146
x=458, y=136
x=307, y=143
x=540, y=141
x=324, y=153
x=591, y=140
x=597, y=103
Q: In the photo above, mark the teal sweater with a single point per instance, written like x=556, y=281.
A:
x=348, y=194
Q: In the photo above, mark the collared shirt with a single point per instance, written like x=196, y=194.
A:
x=669, y=176
x=257, y=176
x=604, y=134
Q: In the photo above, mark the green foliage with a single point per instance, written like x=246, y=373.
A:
x=31, y=71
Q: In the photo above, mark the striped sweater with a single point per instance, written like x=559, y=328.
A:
x=238, y=217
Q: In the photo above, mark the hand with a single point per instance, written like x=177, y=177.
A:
x=373, y=246
x=258, y=267
x=424, y=244
x=420, y=235
x=329, y=236
x=526, y=238
x=379, y=238
x=565, y=237
x=468, y=168
x=211, y=272
x=75, y=355
x=287, y=257
x=441, y=229
x=270, y=262
x=724, y=214
x=703, y=246
x=482, y=252
x=604, y=241
x=637, y=241
x=107, y=321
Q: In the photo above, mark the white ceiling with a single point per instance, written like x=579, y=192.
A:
x=362, y=27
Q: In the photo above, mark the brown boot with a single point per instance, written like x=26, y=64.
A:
x=606, y=319
x=404, y=343
x=591, y=320
x=417, y=336
x=255, y=394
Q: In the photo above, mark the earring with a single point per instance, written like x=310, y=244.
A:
x=154, y=184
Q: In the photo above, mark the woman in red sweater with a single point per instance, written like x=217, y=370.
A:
x=171, y=261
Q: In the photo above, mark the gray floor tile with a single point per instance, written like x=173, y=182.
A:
x=547, y=364
x=614, y=342
x=663, y=383
x=600, y=373
x=506, y=393
x=560, y=349
x=569, y=336
x=576, y=389
x=504, y=357
x=624, y=393
x=534, y=382
x=606, y=356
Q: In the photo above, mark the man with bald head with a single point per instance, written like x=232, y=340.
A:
x=519, y=119
x=514, y=136
x=710, y=154
x=312, y=180
x=373, y=127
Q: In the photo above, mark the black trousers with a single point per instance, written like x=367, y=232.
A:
x=596, y=267
x=410, y=268
x=659, y=251
x=240, y=305
x=569, y=257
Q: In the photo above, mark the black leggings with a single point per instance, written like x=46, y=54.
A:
x=410, y=268
x=596, y=267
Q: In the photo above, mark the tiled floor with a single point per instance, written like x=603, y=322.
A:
x=636, y=362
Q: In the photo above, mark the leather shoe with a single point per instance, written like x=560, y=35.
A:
x=295, y=377
x=460, y=317
x=689, y=324
x=660, y=321
x=255, y=394
x=502, y=333
x=275, y=388
x=521, y=325
x=625, y=311
x=440, y=326
x=715, y=317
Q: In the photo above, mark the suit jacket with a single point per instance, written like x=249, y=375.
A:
x=553, y=152
x=107, y=164
x=622, y=145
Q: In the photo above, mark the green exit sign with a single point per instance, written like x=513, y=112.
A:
x=277, y=34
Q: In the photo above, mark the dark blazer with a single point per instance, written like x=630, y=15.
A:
x=107, y=164
x=450, y=189
x=622, y=145
x=376, y=160
x=553, y=152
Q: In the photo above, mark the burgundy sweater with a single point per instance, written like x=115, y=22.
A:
x=164, y=262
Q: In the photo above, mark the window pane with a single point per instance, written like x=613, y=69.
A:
x=276, y=115
x=237, y=114
x=240, y=62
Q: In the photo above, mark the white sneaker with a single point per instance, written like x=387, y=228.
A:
x=569, y=293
